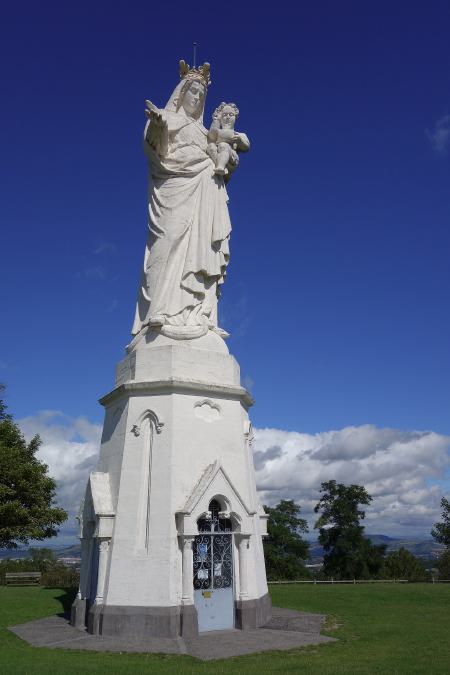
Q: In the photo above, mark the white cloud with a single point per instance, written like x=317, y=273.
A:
x=400, y=469
x=439, y=135
x=95, y=272
x=105, y=247
x=70, y=449
x=395, y=467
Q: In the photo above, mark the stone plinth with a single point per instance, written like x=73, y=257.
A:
x=176, y=436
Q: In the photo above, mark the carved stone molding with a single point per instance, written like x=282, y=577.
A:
x=150, y=415
x=207, y=410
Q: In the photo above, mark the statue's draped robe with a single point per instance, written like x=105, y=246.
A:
x=189, y=226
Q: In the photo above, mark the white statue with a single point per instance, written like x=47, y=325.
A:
x=187, y=250
x=224, y=142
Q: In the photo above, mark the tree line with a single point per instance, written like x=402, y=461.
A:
x=348, y=554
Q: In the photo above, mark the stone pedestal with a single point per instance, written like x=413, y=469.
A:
x=78, y=613
x=176, y=435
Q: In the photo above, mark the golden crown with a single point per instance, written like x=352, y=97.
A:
x=202, y=73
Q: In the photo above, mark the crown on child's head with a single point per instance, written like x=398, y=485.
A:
x=202, y=73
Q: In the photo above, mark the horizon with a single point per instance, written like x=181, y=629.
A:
x=56, y=544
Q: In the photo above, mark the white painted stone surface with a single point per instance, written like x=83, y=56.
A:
x=176, y=432
x=156, y=432
x=187, y=250
x=224, y=142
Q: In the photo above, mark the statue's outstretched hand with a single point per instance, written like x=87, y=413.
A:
x=154, y=114
x=154, y=132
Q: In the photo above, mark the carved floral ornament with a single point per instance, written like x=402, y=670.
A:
x=207, y=410
x=152, y=417
x=248, y=432
x=225, y=508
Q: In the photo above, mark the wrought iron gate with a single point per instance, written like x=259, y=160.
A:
x=213, y=572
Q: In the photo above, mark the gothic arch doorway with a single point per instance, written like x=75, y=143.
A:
x=213, y=570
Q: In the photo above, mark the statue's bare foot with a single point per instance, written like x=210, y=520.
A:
x=157, y=320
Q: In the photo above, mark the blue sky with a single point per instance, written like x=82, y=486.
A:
x=337, y=298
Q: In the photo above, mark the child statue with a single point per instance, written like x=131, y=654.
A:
x=224, y=142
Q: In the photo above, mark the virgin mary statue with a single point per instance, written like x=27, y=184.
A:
x=189, y=226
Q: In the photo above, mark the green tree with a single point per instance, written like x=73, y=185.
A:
x=443, y=565
x=402, y=564
x=374, y=557
x=348, y=554
x=42, y=559
x=441, y=531
x=27, y=493
x=284, y=548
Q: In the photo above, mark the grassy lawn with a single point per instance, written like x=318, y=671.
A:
x=381, y=629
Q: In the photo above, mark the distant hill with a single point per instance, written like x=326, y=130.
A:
x=60, y=551
x=422, y=548
x=380, y=539
x=68, y=551
x=13, y=553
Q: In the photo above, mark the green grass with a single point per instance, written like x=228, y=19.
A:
x=383, y=629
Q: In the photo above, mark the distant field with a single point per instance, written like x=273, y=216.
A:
x=383, y=629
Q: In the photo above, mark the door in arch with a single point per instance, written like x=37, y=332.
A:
x=213, y=571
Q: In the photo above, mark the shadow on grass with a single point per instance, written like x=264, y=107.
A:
x=66, y=599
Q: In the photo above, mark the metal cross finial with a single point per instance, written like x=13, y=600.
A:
x=195, y=53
